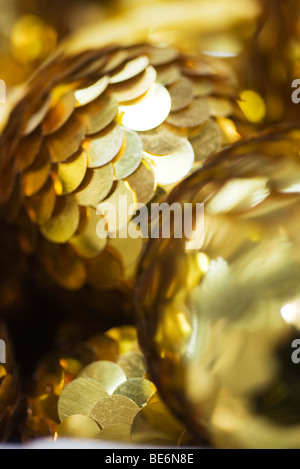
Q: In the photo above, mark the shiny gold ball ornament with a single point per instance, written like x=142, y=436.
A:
x=100, y=390
x=219, y=322
x=103, y=126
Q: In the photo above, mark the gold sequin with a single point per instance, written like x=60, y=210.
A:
x=148, y=113
x=64, y=222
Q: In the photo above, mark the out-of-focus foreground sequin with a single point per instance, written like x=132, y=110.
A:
x=100, y=390
x=217, y=323
x=100, y=125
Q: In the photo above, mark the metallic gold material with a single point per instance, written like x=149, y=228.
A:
x=87, y=95
x=64, y=222
x=154, y=422
x=196, y=114
x=79, y=397
x=133, y=364
x=103, y=148
x=99, y=114
x=182, y=94
x=219, y=312
x=131, y=157
x=118, y=432
x=35, y=176
x=41, y=205
x=161, y=141
x=78, y=426
x=136, y=87
x=66, y=141
x=148, y=113
x=130, y=70
x=103, y=127
x=139, y=390
x=171, y=168
x=96, y=186
x=143, y=183
x=108, y=374
x=71, y=173
x=86, y=243
x=28, y=150
x=115, y=410
x=59, y=113
x=71, y=393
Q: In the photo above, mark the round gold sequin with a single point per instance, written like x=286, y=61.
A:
x=115, y=60
x=103, y=148
x=114, y=410
x=64, y=222
x=86, y=243
x=59, y=113
x=28, y=150
x=181, y=93
x=208, y=141
x=99, y=114
x=116, y=208
x=96, y=186
x=138, y=390
x=36, y=118
x=45, y=406
x=80, y=397
x=87, y=95
x=133, y=364
x=136, y=87
x=129, y=249
x=125, y=336
x=168, y=75
x=131, y=156
x=40, y=206
x=194, y=115
x=78, y=426
x=219, y=107
x=108, y=374
x=143, y=183
x=64, y=266
x=37, y=174
x=162, y=55
x=155, y=421
x=71, y=173
x=120, y=433
x=160, y=141
x=172, y=168
x=104, y=272
x=148, y=113
x=66, y=141
x=130, y=70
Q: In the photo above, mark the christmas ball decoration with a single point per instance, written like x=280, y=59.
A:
x=219, y=318
x=100, y=127
x=100, y=389
x=8, y=386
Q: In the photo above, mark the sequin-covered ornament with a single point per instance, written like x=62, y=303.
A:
x=220, y=323
x=100, y=390
x=103, y=126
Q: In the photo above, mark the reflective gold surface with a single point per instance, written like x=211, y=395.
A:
x=100, y=126
x=217, y=322
x=100, y=391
